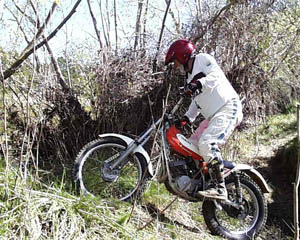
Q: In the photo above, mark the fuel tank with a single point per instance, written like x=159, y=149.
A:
x=181, y=144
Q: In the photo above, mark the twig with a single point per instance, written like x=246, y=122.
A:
x=160, y=213
x=228, y=6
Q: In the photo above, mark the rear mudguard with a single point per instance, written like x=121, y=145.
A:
x=254, y=174
x=138, y=149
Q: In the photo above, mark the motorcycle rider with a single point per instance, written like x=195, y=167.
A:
x=214, y=97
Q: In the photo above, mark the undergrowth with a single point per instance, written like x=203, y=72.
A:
x=31, y=208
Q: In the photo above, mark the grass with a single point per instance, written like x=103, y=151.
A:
x=277, y=126
x=274, y=127
x=35, y=209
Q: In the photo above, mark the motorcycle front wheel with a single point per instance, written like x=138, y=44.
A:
x=124, y=184
x=233, y=223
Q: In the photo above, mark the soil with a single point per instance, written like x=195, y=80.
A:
x=271, y=163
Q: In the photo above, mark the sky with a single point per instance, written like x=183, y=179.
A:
x=80, y=31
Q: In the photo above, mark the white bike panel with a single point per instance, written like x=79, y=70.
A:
x=256, y=176
x=187, y=143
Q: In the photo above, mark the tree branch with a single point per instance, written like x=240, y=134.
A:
x=7, y=73
x=228, y=6
x=95, y=24
x=42, y=28
x=161, y=34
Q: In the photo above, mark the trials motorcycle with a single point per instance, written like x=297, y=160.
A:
x=118, y=166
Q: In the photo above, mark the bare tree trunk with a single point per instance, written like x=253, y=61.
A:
x=7, y=73
x=59, y=75
x=160, y=36
x=96, y=29
x=108, y=23
x=95, y=24
x=145, y=24
x=199, y=9
x=176, y=22
x=40, y=29
x=138, y=24
x=116, y=26
x=103, y=25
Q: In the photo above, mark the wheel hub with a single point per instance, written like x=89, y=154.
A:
x=108, y=174
x=239, y=213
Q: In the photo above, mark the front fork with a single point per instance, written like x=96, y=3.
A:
x=238, y=201
x=112, y=166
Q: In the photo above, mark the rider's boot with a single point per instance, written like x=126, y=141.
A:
x=218, y=189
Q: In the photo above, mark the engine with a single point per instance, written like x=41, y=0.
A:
x=184, y=172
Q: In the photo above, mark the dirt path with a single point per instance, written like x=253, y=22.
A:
x=261, y=153
x=280, y=202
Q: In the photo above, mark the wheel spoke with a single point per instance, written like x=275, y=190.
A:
x=237, y=223
x=126, y=181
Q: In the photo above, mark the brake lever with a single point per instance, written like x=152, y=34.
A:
x=181, y=91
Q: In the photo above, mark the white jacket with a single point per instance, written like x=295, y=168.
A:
x=216, y=89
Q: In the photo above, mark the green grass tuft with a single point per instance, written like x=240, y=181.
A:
x=43, y=206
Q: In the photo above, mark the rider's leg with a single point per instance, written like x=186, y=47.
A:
x=217, y=189
x=219, y=130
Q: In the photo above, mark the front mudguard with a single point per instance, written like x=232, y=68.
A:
x=253, y=174
x=138, y=149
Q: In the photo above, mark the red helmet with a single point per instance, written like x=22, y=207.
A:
x=180, y=50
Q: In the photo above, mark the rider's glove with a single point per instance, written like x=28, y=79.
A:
x=193, y=87
x=180, y=123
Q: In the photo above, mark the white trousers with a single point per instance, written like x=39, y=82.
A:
x=219, y=129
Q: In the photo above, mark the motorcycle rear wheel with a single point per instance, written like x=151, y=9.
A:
x=237, y=224
x=126, y=185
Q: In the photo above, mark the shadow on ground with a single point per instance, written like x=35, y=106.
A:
x=280, y=175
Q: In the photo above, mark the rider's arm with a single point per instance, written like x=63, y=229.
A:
x=193, y=111
x=206, y=71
